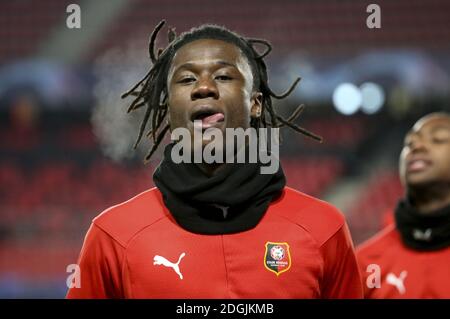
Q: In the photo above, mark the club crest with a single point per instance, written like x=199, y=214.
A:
x=277, y=258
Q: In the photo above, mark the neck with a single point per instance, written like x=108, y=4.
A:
x=210, y=169
x=430, y=198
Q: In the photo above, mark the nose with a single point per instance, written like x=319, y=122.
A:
x=417, y=145
x=204, y=88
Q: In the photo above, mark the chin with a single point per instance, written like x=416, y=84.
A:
x=421, y=182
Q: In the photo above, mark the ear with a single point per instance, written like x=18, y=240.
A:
x=256, y=105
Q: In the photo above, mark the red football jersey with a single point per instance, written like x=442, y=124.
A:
x=405, y=272
x=300, y=249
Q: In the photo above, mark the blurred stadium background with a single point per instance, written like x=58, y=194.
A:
x=65, y=141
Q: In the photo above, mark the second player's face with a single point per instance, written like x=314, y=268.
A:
x=425, y=157
x=210, y=81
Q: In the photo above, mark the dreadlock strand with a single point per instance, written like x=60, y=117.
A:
x=136, y=101
x=152, y=130
x=138, y=105
x=160, y=51
x=140, y=94
x=161, y=116
x=133, y=89
x=154, y=124
x=156, y=144
x=297, y=112
x=273, y=116
x=171, y=35
x=300, y=129
x=151, y=45
x=143, y=125
x=155, y=101
x=263, y=42
x=151, y=107
x=288, y=91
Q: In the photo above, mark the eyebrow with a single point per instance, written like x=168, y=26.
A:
x=440, y=127
x=190, y=65
x=434, y=129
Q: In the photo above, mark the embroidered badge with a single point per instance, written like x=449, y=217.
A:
x=277, y=258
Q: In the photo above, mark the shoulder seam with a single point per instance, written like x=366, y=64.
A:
x=142, y=229
x=307, y=207
x=108, y=234
x=125, y=244
x=332, y=235
x=376, y=238
x=302, y=227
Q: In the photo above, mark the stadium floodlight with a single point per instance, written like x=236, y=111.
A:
x=372, y=97
x=347, y=98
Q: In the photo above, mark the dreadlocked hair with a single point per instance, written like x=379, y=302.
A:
x=152, y=92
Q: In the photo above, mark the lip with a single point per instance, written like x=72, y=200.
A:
x=206, y=109
x=418, y=164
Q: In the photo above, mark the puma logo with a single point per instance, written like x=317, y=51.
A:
x=422, y=235
x=398, y=282
x=223, y=208
x=159, y=260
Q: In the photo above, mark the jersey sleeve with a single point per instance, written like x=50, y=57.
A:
x=362, y=262
x=341, y=278
x=100, y=265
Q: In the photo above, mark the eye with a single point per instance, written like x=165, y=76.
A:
x=186, y=80
x=440, y=139
x=223, y=77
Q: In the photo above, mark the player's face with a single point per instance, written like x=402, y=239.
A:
x=425, y=157
x=211, y=81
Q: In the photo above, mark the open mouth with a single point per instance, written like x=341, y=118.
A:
x=418, y=165
x=208, y=118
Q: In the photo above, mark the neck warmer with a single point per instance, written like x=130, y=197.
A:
x=232, y=200
x=420, y=231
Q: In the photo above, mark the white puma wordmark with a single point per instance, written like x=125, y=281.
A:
x=398, y=282
x=159, y=260
x=422, y=235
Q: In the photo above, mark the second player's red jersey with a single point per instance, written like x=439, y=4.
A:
x=405, y=272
